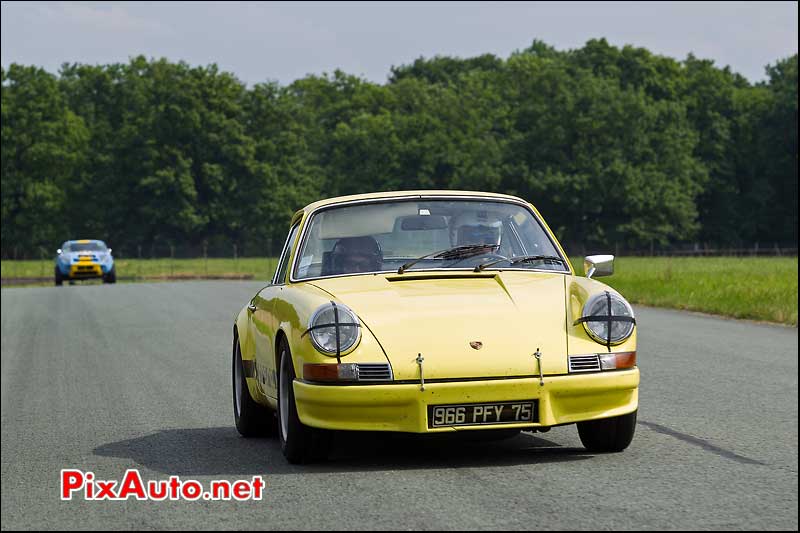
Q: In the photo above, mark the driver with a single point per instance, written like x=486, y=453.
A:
x=356, y=254
x=475, y=227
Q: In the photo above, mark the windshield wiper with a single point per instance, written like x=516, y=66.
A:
x=458, y=252
x=522, y=259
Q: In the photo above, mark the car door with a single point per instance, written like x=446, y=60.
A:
x=264, y=325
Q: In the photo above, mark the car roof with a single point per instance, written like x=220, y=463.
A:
x=84, y=241
x=396, y=194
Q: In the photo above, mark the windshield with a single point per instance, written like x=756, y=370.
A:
x=85, y=247
x=385, y=236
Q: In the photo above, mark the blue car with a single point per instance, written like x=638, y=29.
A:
x=84, y=259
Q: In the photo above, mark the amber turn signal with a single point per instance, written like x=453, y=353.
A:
x=328, y=372
x=616, y=361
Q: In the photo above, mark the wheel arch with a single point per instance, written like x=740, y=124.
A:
x=240, y=333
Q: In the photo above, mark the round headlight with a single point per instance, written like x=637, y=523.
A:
x=608, y=318
x=334, y=329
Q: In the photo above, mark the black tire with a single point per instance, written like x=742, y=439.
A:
x=300, y=444
x=59, y=278
x=609, y=435
x=111, y=277
x=251, y=418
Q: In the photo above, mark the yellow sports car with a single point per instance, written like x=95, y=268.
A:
x=429, y=312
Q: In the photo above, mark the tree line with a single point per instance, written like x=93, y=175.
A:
x=615, y=146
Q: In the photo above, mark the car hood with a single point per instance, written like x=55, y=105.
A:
x=439, y=315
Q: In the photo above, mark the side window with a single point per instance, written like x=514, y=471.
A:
x=283, y=264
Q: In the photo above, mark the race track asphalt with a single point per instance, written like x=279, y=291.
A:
x=107, y=378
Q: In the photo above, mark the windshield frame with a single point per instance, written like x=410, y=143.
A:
x=67, y=247
x=300, y=242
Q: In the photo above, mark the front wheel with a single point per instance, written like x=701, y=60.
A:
x=59, y=278
x=299, y=443
x=608, y=435
x=111, y=277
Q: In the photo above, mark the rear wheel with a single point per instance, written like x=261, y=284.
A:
x=59, y=278
x=299, y=443
x=608, y=435
x=252, y=419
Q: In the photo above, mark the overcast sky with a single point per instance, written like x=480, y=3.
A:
x=285, y=41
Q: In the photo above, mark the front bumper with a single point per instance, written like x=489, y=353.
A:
x=403, y=407
x=85, y=269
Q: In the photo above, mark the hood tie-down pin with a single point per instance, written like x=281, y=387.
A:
x=419, y=360
x=538, y=356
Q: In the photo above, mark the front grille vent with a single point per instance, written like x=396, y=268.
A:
x=374, y=372
x=584, y=363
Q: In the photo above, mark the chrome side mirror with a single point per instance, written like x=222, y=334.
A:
x=598, y=265
x=109, y=250
x=58, y=251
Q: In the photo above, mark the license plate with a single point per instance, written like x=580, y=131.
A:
x=476, y=414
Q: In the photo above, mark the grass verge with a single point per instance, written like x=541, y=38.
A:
x=756, y=288
x=259, y=268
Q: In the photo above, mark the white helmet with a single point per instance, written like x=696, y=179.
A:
x=475, y=227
